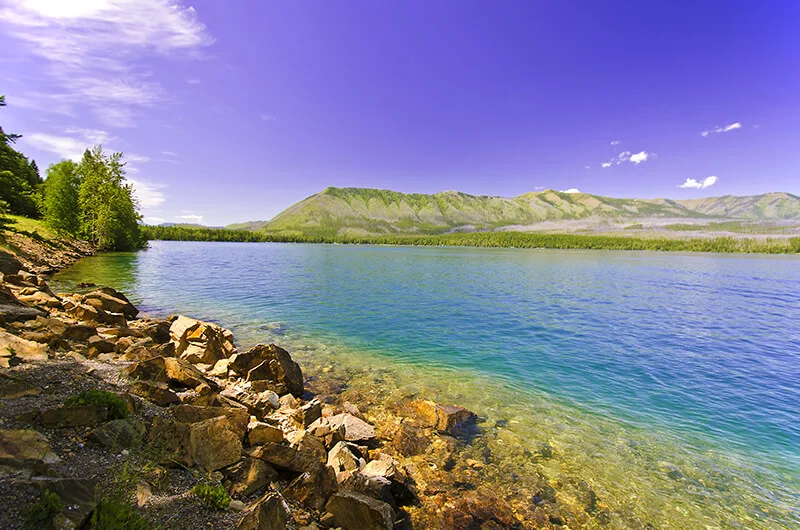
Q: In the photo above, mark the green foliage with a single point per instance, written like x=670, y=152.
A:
x=215, y=497
x=19, y=178
x=490, y=239
x=61, y=197
x=117, y=515
x=108, y=212
x=117, y=408
x=5, y=220
x=40, y=514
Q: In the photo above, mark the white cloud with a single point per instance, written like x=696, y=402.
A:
x=571, y=190
x=191, y=218
x=139, y=159
x=148, y=194
x=92, y=136
x=193, y=81
x=91, y=50
x=616, y=142
x=169, y=153
x=64, y=146
x=152, y=220
x=722, y=129
x=268, y=117
x=627, y=156
x=538, y=188
x=705, y=183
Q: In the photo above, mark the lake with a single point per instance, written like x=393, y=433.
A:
x=669, y=382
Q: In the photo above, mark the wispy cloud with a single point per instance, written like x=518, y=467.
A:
x=722, y=129
x=150, y=220
x=699, y=185
x=91, y=50
x=169, y=153
x=571, y=190
x=616, y=142
x=64, y=146
x=191, y=218
x=149, y=194
x=268, y=117
x=627, y=156
x=193, y=81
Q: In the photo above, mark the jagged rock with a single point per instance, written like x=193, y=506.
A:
x=76, y=416
x=158, y=330
x=238, y=418
x=288, y=401
x=200, y=342
x=157, y=392
x=42, y=337
x=213, y=443
x=249, y=476
x=100, y=345
x=111, y=303
x=12, y=388
x=445, y=418
x=18, y=313
x=144, y=492
x=269, y=513
x=356, y=511
x=77, y=494
x=220, y=368
x=313, y=488
x=22, y=349
x=355, y=430
x=305, y=441
x=152, y=369
x=476, y=510
x=119, y=434
x=309, y=413
x=379, y=488
x=79, y=332
x=284, y=456
x=25, y=449
x=272, y=364
x=329, y=434
x=259, y=404
x=183, y=373
x=40, y=298
x=384, y=466
x=345, y=456
x=260, y=433
x=83, y=312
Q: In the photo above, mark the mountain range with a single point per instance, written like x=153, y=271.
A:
x=362, y=211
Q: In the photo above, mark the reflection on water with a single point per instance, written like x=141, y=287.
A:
x=668, y=383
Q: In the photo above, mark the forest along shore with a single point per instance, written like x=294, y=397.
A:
x=111, y=420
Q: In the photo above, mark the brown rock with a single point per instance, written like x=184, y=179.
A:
x=12, y=388
x=345, y=456
x=356, y=511
x=25, y=449
x=259, y=404
x=313, y=488
x=152, y=369
x=100, y=345
x=260, y=433
x=309, y=413
x=183, y=373
x=201, y=342
x=156, y=392
x=476, y=510
x=445, y=418
x=111, y=304
x=238, y=418
x=284, y=456
x=379, y=488
x=269, y=513
x=249, y=476
x=355, y=430
x=410, y=440
x=77, y=416
x=213, y=444
x=270, y=363
x=24, y=350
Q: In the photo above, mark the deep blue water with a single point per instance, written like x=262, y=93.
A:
x=701, y=350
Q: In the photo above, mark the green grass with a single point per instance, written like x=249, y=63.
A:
x=117, y=515
x=116, y=406
x=742, y=227
x=40, y=514
x=497, y=239
x=215, y=497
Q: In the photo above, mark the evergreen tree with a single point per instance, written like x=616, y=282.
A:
x=19, y=178
x=60, y=203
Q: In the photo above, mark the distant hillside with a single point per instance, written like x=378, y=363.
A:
x=362, y=211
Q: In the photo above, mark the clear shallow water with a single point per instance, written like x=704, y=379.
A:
x=671, y=382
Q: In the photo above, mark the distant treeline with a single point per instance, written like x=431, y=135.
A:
x=490, y=239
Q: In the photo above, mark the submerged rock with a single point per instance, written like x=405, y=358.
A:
x=445, y=418
x=355, y=430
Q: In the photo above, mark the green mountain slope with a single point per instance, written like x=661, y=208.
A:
x=362, y=211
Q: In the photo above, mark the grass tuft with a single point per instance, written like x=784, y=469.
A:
x=215, y=497
x=117, y=408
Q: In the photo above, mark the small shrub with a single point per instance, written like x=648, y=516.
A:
x=117, y=409
x=215, y=497
x=116, y=515
x=40, y=514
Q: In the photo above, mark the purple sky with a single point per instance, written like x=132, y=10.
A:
x=232, y=110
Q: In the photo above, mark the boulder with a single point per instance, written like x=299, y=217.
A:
x=156, y=392
x=248, y=476
x=445, y=418
x=200, y=342
x=345, y=456
x=21, y=349
x=158, y=330
x=271, y=364
x=284, y=456
x=410, y=440
x=260, y=433
x=119, y=434
x=238, y=419
x=78, y=332
x=379, y=488
x=269, y=513
x=355, y=430
x=312, y=488
x=259, y=404
x=100, y=345
x=41, y=299
x=111, y=304
x=73, y=416
x=213, y=443
x=309, y=413
x=26, y=449
x=356, y=511
x=152, y=369
x=184, y=373
x=479, y=510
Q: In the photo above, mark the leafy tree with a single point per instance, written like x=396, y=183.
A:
x=60, y=203
x=108, y=212
x=19, y=178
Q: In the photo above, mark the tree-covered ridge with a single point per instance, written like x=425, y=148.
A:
x=489, y=239
x=365, y=211
x=19, y=177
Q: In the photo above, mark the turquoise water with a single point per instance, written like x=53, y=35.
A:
x=670, y=381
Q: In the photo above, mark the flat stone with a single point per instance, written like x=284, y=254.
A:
x=237, y=418
x=260, y=433
x=27, y=449
x=73, y=416
x=356, y=511
x=127, y=433
x=355, y=430
x=25, y=350
x=12, y=388
x=284, y=456
x=18, y=313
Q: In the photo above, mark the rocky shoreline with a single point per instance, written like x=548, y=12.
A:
x=275, y=449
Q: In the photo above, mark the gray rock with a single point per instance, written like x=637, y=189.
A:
x=77, y=494
x=119, y=434
x=355, y=430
